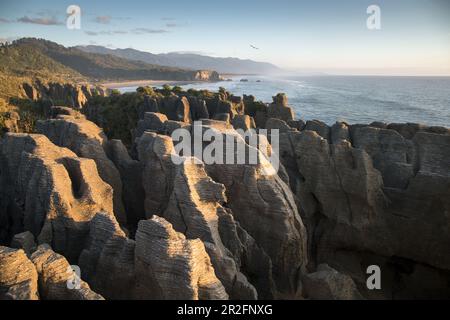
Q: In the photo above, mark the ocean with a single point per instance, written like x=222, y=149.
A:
x=353, y=99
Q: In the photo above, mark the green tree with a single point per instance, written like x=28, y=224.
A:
x=177, y=89
x=146, y=90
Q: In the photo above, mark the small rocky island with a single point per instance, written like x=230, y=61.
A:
x=92, y=184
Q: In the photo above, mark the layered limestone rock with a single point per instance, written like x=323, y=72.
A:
x=232, y=107
x=169, y=266
x=192, y=202
x=151, y=121
x=170, y=126
x=238, y=104
x=267, y=194
x=368, y=195
x=250, y=257
x=75, y=96
x=278, y=124
x=160, y=264
x=18, y=276
x=182, y=107
x=25, y=241
x=198, y=107
x=391, y=154
x=339, y=132
x=416, y=211
x=10, y=121
x=157, y=122
x=50, y=192
x=408, y=130
x=176, y=108
x=62, y=112
x=216, y=124
x=264, y=206
x=297, y=124
x=30, y=91
x=318, y=126
x=150, y=104
x=256, y=109
x=224, y=103
x=279, y=108
x=155, y=153
x=224, y=117
x=207, y=75
x=107, y=261
x=416, y=180
x=328, y=182
x=249, y=189
x=87, y=140
x=131, y=174
x=195, y=209
x=328, y=284
x=57, y=279
x=243, y=122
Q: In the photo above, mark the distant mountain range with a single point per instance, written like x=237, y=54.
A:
x=188, y=60
x=30, y=59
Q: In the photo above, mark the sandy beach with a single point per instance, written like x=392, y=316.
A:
x=137, y=83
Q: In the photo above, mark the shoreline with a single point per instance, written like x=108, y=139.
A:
x=138, y=83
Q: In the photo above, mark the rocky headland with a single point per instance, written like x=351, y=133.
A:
x=95, y=185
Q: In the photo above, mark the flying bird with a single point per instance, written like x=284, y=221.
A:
x=254, y=47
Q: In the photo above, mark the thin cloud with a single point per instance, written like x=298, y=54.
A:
x=133, y=31
x=168, y=19
x=147, y=30
x=47, y=13
x=103, y=19
x=42, y=21
x=107, y=33
x=4, y=20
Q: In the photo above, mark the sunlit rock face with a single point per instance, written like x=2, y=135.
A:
x=75, y=96
x=87, y=140
x=264, y=206
x=18, y=276
x=169, y=266
x=247, y=189
x=302, y=215
x=187, y=197
x=160, y=264
x=57, y=280
x=50, y=192
x=279, y=108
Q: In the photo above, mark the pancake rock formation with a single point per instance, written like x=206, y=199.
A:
x=88, y=216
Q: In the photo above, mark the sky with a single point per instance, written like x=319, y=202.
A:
x=319, y=36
